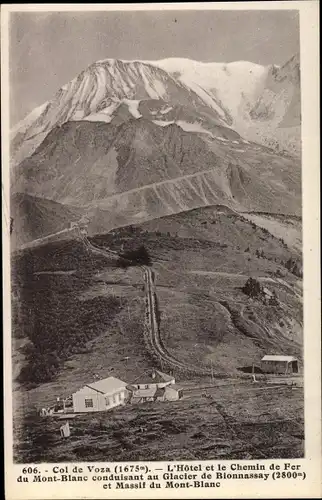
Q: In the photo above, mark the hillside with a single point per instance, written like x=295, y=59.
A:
x=202, y=259
x=219, y=223
x=35, y=217
x=78, y=316
x=199, y=279
x=249, y=423
x=139, y=170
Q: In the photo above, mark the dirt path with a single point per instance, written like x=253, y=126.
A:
x=73, y=271
x=154, y=185
x=231, y=275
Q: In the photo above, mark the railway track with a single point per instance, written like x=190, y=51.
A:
x=152, y=331
x=165, y=357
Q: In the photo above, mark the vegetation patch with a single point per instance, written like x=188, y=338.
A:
x=136, y=257
x=51, y=315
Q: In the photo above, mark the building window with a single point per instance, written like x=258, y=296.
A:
x=147, y=386
x=89, y=403
x=107, y=401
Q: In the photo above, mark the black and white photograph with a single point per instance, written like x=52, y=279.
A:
x=155, y=221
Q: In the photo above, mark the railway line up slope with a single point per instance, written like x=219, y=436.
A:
x=153, y=338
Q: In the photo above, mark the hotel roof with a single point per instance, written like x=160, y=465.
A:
x=154, y=377
x=107, y=385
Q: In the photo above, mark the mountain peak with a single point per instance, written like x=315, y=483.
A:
x=223, y=93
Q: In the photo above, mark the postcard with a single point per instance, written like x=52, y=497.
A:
x=161, y=250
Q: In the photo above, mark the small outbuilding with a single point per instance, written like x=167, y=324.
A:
x=275, y=363
x=155, y=386
x=153, y=380
x=173, y=392
x=169, y=393
x=143, y=395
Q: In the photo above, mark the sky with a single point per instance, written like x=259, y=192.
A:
x=46, y=50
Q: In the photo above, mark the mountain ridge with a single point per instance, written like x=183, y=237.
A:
x=133, y=141
x=225, y=93
x=137, y=171
x=35, y=217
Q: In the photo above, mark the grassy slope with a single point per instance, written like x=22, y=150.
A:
x=244, y=422
x=37, y=217
x=204, y=314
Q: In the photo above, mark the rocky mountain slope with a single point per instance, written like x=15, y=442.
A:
x=277, y=112
x=35, y=217
x=131, y=141
x=98, y=90
x=280, y=99
x=139, y=170
x=241, y=95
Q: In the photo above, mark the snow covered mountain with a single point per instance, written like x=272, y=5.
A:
x=255, y=101
x=137, y=140
x=276, y=115
x=280, y=99
x=264, y=102
x=96, y=93
x=235, y=85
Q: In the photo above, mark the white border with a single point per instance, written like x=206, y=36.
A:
x=309, y=33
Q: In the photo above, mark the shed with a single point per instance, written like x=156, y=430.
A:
x=143, y=395
x=275, y=363
x=170, y=392
x=154, y=379
x=173, y=392
x=99, y=396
